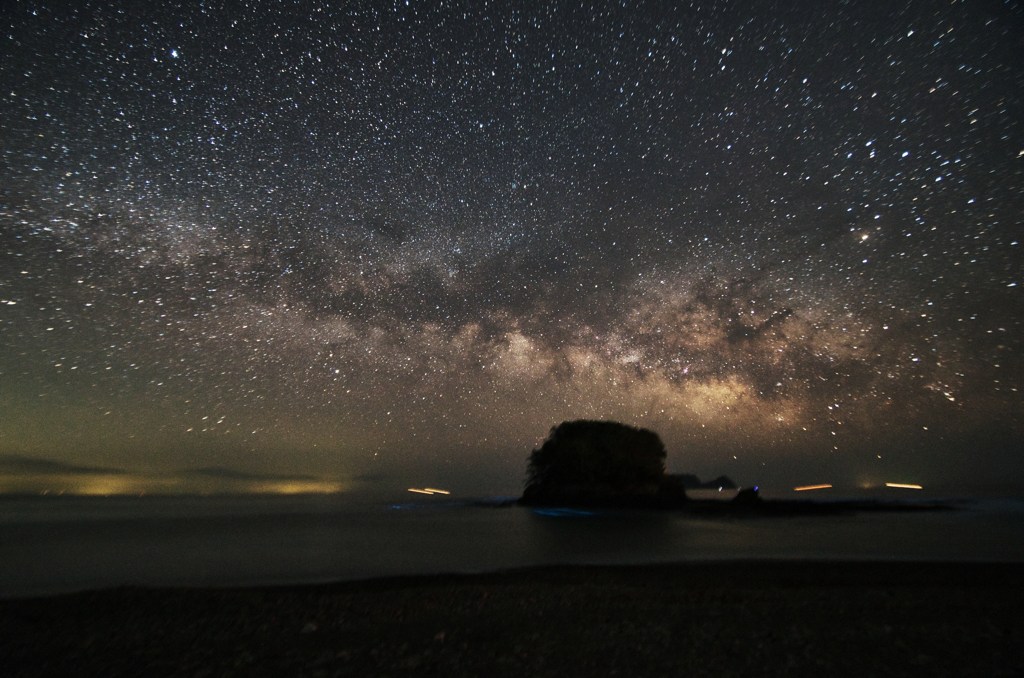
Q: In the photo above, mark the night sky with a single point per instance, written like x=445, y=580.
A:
x=379, y=243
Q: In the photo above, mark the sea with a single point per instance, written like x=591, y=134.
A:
x=52, y=545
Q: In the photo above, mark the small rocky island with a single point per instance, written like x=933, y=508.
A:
x=608, y=465
x=601, y=463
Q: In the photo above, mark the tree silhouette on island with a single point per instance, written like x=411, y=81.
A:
x=601, y=463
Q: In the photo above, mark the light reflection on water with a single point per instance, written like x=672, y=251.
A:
x=67, y=544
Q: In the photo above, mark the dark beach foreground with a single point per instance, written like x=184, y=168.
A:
x=770, y=618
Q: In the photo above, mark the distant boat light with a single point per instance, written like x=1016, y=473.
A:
x=904, y=486
x=811, y=487
x=429, y=490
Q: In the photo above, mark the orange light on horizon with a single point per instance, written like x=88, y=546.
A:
x=904, y=486
x=811, y=487
x=429, y=490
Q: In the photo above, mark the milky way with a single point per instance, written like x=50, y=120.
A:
x=384, y=239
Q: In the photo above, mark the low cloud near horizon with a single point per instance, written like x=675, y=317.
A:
x=27, y=475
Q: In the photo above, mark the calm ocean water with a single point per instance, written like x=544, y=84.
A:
x=54, y=545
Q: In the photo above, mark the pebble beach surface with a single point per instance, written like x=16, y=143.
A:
x=760, y=618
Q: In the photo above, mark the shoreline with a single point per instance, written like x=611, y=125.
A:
x=761, y=617
x=744, y=507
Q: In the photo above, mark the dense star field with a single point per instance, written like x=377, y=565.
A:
x=384, y=241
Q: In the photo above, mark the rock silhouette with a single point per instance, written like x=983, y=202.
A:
x=601, y=463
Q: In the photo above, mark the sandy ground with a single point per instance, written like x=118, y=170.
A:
x=715, y=619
